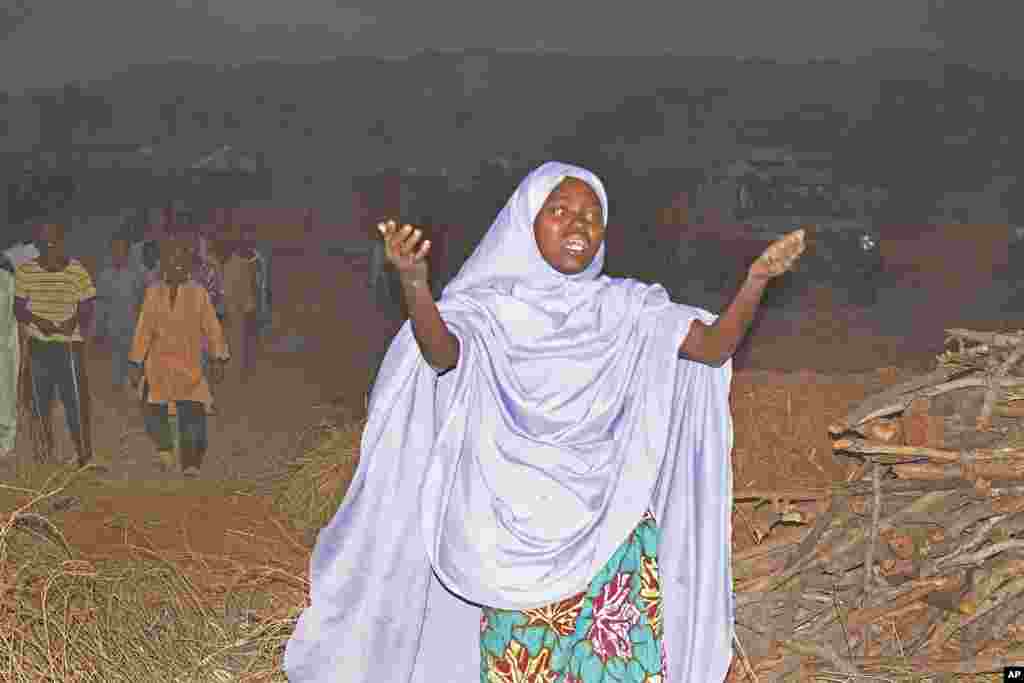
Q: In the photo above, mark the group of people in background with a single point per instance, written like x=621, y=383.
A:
x=173, y=308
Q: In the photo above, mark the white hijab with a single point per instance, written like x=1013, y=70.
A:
x=512, y=479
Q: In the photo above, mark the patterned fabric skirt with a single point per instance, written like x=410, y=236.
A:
x=611, y=632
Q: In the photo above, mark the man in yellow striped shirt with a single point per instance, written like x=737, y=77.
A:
x=54, y=297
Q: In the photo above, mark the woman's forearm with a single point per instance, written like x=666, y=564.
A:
x=438, y=345
x=716, y=343
x=729, y=329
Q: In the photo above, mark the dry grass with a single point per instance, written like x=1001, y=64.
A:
x=153, y=617
x=320, y=476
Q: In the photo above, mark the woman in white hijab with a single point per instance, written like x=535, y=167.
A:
x=545, y=469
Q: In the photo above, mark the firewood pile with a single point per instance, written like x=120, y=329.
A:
x=913, y=568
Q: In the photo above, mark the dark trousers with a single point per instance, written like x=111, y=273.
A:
x=242, y=331
x=53, y=366
x=191, y=428
x=121, y=347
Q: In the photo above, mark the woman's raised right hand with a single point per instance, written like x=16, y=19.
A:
x=400, y=248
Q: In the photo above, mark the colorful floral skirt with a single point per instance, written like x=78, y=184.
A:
x=611, y=632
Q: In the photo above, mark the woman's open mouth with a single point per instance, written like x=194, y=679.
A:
x=576, y=246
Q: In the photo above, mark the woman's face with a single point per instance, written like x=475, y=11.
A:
x=570, y=227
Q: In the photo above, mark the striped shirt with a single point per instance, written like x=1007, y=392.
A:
x=54, y=296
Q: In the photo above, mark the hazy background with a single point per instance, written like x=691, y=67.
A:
x=918, y=96
x=53, y=41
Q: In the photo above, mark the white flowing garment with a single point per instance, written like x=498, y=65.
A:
x=510, y=480
x=10, y=357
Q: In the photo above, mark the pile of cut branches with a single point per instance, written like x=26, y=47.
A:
x=913, y=568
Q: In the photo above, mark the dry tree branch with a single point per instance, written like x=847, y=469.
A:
x=939, y=455
x=869, y=560
x=988, y=338
x=883, y=403
x=899, y=403
x=985, y=418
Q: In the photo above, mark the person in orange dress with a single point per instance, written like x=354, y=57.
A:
x=166, y=352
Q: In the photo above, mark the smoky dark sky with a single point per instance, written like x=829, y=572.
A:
x=54, y=41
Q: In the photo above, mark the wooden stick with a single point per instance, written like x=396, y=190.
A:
x=869, y=560
x=790, y=495
x=744, y=659
x=947, y=601
x=979, y=536
x=954, y=623
x=1014, y=471
x=985, y=418
x=893, y=486
x=977, y=665
x=758, y=567
x=760, y=550
x=1003, y=615
x=987, y=552
x=1015, y=409
x=989, y=338
x=966, y=517
x=747, y=598
x=865, y=447
x=850, y=541
x=821, y=524
x=926, y=585
x=899, y=403
x=995, y=575
x=824, y=652
x=879, y=404
x=920, y=589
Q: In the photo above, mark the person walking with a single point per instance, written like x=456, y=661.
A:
x=120, y=288
x=166, y=352
x=239, y=268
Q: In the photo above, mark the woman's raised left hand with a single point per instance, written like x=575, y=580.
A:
x=779, y=257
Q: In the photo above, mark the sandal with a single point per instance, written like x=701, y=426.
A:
x=165, y=460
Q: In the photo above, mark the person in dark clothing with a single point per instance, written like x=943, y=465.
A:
x=120, y=288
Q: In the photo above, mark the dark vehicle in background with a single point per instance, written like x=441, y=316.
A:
x=755, y=202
